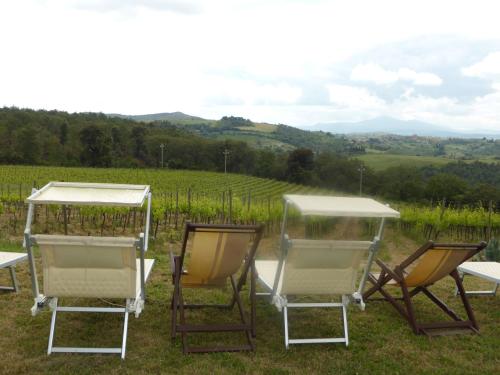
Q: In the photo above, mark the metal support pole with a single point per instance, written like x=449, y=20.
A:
x=283, y=247
x=29, y=250
x=65, y=213
x=361, y=169
x=162, y=146
x=148, y=222
x=371, y=257
x=142, y=270
x=226, y=154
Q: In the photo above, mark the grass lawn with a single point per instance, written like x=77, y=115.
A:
x=380, y=340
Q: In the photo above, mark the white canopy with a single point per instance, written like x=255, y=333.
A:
x=340, y=206
x=90, y=194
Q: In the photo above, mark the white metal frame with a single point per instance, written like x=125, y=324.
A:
x=372, y=252
x=135, y=305
x=343, y=306
x=282, y=302
x=64, y=349
x=464, y=271
x=12, y=271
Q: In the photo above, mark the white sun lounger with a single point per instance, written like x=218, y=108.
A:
x=9, y=260
x=89, y=267
x=322, y=267
x=489, y=271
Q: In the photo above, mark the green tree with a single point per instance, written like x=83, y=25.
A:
x=63, y=133
x=96, y=147
x=300, y=166
x=139, y=143
x=444, y=185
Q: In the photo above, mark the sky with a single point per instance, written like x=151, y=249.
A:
x=297, y=62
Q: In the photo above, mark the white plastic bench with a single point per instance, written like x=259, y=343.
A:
x=489, y=271
x=9, y=260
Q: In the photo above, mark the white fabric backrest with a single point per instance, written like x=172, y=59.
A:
x=322, y=266
x=82, y=266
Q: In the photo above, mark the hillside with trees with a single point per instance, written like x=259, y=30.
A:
x=55, y=138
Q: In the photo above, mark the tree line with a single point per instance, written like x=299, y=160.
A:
x=96, y=140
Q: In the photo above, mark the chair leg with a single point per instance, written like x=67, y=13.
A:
x=183, y=322
x=12, y=271
x=465, y=300
x=253, y=301
x=409, y=308
x=125, y=330
x=174, y=305
x=377, y=284
x=52, y=327
x=344, y=318
x=248, y=333
x=285, y=323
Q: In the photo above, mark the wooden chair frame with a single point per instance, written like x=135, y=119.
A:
x=398, y=275
x=178, y=305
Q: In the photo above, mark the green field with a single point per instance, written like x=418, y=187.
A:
x=381, y=161
x=159, y=180
x=178, y=195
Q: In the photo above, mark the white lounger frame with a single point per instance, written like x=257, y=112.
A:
x=495, y=281
x=343, y=306
x=135, y=305
x=12, y=271
x=357, y=297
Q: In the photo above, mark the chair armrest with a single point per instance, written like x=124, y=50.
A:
x=390, y=272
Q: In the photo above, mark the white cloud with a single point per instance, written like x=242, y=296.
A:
x=489, y=67
x=355, y=97
x=247, y=92
x=222, y=57
x=375, y=73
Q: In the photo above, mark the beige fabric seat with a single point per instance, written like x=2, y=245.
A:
x=211, y=256
x=313, y=268
x=215, y=256
x=94, y=267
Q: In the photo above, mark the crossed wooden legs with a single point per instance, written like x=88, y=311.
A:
x=407, y=310
x=178, y=309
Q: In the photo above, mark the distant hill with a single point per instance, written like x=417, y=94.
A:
x=166, y=116
x=260, y=135
x=382, y=134
x=389, y=125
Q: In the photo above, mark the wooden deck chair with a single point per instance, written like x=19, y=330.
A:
x=217, y=253
x=432, y=262
x=90, y=267
x=313, y=268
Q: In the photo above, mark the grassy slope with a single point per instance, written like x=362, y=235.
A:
x=380, y=161
x=380, y=341
x=160, y=180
